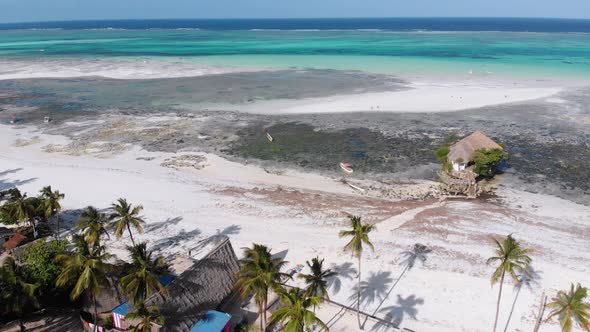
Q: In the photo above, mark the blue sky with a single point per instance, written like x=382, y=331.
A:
x=44, y=10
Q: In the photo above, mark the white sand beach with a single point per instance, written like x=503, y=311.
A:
x=420, y=97
x=301, y=213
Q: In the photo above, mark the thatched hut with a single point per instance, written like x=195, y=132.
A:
x=207, y=284
x=461, y=153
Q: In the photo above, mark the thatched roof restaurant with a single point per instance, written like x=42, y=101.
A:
x=207, y=284
x=462, y=152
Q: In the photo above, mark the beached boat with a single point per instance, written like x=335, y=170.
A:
x=346, y=168
x=270, y=138
x=47, y=119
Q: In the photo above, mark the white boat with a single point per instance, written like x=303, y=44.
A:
x=47, y=119
x=270, y=138
x=346, y=168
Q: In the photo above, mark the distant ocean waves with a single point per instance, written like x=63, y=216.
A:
x=117, y=68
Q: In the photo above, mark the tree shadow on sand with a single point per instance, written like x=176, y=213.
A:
x=374, y=288
x=158, y=226
x=527, y=279
x=419, y=253
x=7, y=184
x=395, y=315
x=345, y=271
x=221, y=234
x=177, y=240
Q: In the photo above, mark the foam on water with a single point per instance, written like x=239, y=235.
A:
x=136, y=68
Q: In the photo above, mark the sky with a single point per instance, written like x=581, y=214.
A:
x=58, y=10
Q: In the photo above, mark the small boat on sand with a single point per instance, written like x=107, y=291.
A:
x=47, y=119
x=270, y=138
x=346, y=168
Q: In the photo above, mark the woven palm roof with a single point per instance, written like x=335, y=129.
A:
x=200, y=288
x=465, y=148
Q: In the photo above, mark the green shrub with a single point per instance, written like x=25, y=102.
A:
x=441, y=156
x=487, y=161
x=40, y=266
x=107, y=322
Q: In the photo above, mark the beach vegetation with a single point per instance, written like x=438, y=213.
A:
x=17, y=295
x=297, y=315
x=260, y=273
x=50, y=204
x=126, y=216
x=317, y=280
x=441, y=155
x=93, y=225
x=143, y=274
x=488, y=161
x=39, y=266
x=86, y=268
x=359, y=237
x=511, y=259
x=571, y=307
x=145, y=315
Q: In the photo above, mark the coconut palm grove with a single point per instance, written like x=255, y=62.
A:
x=46, y=265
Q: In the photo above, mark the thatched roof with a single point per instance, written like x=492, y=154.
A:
x=108, y=299
x=200, y=288
x=465, y=148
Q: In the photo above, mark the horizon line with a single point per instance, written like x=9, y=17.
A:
x=301, y=18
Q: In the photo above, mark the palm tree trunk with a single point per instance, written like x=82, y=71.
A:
x=131, y=235
x=498, y=304
x=265, y=309
x=95, y=313
x=34, y=229
x=541, y=312
x=21, y=324
x=512, y=309
x=57, y=219
x=261, y=307
x=358, y=295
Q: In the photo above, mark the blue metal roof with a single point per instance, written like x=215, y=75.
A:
x=214, y=321
x=124, y=308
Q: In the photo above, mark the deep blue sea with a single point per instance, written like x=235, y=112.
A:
x=393, y=24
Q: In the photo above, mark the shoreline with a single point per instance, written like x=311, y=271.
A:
x=419, y=98
x=189, y=205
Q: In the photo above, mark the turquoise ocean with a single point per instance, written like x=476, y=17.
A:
x=531, y=48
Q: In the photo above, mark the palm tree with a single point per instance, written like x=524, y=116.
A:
x=86, y=268
x=24, y=210
x=15, y=293
x=317, y=280
x=93, y=225
x=260, y=273
x=513, y=260
x=51, y=205
x=569, y=307
x=125, y=216
x=295, y=315
x=144, y=273
x=359, y=234
x=146, y=316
